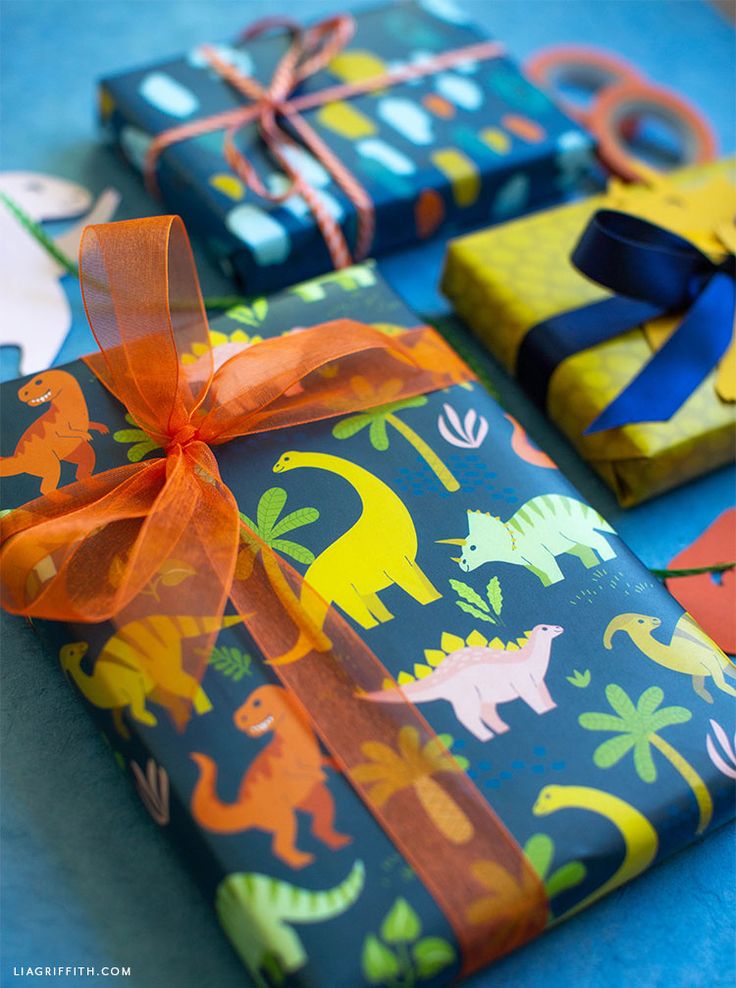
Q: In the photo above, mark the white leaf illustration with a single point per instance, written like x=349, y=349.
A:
x=459, y=434
x=153, y=788
x=728, y=770
x=454, y=418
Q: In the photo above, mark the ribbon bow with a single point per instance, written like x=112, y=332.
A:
x=310, y=51
x=653, y=272
x=85, y=552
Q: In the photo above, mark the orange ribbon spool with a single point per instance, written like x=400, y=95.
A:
x=144, y=305
x=620, y=95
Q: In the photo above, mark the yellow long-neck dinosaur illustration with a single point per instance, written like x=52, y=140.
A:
x=690, y=650
x=143, y=661
x=377, y=551
x=639, y=835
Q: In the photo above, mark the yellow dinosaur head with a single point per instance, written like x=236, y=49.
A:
x=632, y=624
x=72, y=654
x=551, y=798
x=288, y=461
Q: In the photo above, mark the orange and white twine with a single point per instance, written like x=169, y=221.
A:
x=310, y=51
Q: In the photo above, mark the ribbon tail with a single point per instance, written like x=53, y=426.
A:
x=685, y=360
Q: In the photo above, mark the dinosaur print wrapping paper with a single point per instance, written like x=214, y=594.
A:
x=591, y=712
x=507, y=280
x=472, y=143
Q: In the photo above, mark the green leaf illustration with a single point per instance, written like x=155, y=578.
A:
x=129, y=435
x=270, y=507
x=293, y=549
x=620, y=701
x=539, y=850
x=349, y=427
x=401, y=925
x=247, y=314
x=493, y=592
x=594, y=721
x=379, y=963
x=379, y=434
x=431, y=955
x=467, y=593
x=564, y=878
x=137, y=452
x=448, y=741
x=143, y=442
x=579, y=679
x=174, y=572
x=469, y=609
x=643, y=761
x=296, y=519
x=231, y=662
x=613, y=750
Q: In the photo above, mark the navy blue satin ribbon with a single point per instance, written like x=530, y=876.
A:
x=653, y=272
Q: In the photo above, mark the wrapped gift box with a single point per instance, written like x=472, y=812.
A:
x=472, y=143
x=619, y=758
x=507, y=280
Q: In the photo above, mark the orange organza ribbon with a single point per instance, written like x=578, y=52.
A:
x=144, y=305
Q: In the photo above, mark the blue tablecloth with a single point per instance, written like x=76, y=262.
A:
x=87, y=878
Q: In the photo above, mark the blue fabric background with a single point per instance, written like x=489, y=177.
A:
x=87, y=878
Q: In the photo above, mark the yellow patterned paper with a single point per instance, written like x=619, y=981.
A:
x=507, y=279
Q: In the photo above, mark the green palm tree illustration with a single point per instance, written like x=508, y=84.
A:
x=271, y=531
x=266, y=534
x=379, y=417
x=637, y=728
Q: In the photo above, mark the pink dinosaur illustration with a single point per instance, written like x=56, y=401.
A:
x=476, y=679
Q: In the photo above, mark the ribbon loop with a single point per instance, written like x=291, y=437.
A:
x=641, y=260
x=653, y=272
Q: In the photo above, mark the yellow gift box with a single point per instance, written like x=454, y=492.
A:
x=506, y=280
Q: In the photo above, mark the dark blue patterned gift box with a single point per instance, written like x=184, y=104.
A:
x=472, y=143
x=597, y=720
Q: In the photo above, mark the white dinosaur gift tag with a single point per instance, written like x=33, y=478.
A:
x=35, y=314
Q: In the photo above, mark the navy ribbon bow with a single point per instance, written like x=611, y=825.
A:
x=653, y=272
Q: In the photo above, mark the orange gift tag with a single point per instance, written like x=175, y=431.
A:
x=709, y=597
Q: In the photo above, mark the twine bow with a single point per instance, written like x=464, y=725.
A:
x=60, y=551
x=310, y=51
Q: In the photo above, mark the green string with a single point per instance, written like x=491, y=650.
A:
x=667, y=574
x=71, y=267
x=37, y=232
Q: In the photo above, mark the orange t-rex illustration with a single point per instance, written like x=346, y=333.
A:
x=286, y=776
x=60, y=433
